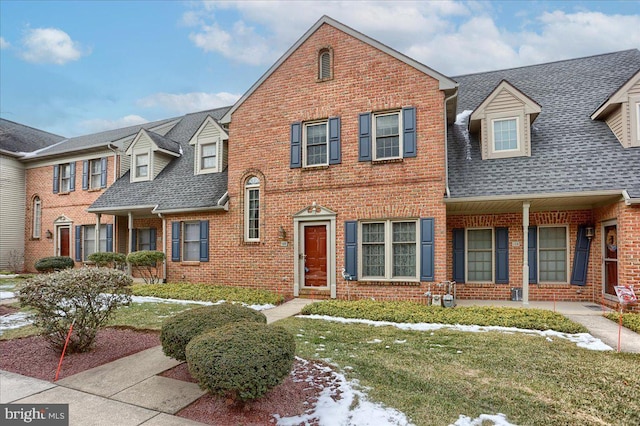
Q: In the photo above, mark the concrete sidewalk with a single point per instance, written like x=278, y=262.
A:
x=125, y=392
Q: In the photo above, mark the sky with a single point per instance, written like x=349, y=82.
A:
x=79, y=67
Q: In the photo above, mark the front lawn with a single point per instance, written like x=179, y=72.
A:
x=207, y=293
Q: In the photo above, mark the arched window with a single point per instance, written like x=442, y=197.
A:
x=252, y=209
x=37, y=217
x=324, y=64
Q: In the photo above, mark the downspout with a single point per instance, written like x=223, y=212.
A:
x=164, y=246
x=446, y=146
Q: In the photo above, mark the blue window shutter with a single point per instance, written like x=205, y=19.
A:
x=79, y=243
x=502, y=255
x=533, y=254
x=458, y=255
x=409, y=135
x=351, y=248
x=364, y=137
x=427, y=254
x=296, y=145
x=175, y=241
x=581, y=257
x=109, y=237
x=103, y=175
x=204, y=241
x=85, y=175
x=72, y=180
x=152, y=237
x=56, y=179
x=134, y=240
x=334, y=140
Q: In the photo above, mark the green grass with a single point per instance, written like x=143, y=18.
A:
x=630, y=320
x=146, y=316
x=433, y=377
x=207, y=292
x=533, y=319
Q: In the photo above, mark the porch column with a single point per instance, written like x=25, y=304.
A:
x=130, y=239
x=97, y=232
x=525, y=252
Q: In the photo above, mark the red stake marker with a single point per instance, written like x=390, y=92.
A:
x=66, y=342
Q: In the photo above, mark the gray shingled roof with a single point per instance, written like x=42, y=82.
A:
x=164, y=143
x=176, y=187
x=569, y=151
x=100, y=139
x=16, y=137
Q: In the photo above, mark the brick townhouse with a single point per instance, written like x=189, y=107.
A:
x=349, y=170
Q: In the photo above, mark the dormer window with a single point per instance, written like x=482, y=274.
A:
x=142, y=165
x=209, y=147
x=504, y=121
x=325, y=64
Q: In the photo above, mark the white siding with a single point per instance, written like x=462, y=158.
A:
x=12, y=210
x=125, y=164
x=615, y=123
x=210, y=133
x=160, y=161
x=503, y=102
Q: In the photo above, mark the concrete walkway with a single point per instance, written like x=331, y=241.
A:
x=128, y=391
x=125, y=392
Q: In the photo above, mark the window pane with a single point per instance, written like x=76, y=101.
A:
x=209, y=156
x=96, y=174
x=505, y=134
x=89, y=243
x=404, y=249
x=144, y=239
x=373, y=249
x=553, y=254
x=65, y=177
x=316, y=144
x=479, y=254
x=387, y=136
x=142, y=165
x=191, y=243
x=325, y=65
x=373, y=232
x=253, y=213
x=37, y=215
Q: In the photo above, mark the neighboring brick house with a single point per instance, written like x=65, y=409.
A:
x=349, y=170
x=17, y=140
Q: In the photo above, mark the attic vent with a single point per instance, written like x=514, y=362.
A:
x=324, y=64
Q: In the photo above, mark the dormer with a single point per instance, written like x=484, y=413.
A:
x=504, y=121
x=210, y=150
x=150, y=153
x=621, y=112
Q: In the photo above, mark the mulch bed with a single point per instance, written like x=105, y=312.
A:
x=32, y=356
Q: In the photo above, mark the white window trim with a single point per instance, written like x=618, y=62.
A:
x=519, y=116
x=199, y=157
x=91, y=174
x=388, y=251
x=635, y=120
x=304, y=143
x=183, y=240
x=374, y=116
x=247, y=188
x=321, y=76
x=61, y=178
x=36, y=231
x=134, y=168
x=566, y=249
x=493, y=254
x=493, y=136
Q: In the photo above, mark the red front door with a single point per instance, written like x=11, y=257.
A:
x=63, y=241
x=315, y=255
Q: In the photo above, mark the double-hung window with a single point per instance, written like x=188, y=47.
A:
x=143, y=239
x=389, y=250
x=552, y=254
x=252, y=210
x=89, y=240
x=208, y=156
x=505, y=134
x=479, y=255
x=191, y=242
x=95, y=170
x=316, y=138
x=65, y=177
x=141, y=170
x=387, y=138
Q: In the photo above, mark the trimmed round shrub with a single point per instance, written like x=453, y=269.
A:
x=108, y=259
x=178, y=330
x=147, y=264
x=241, y=361
x=54, y=263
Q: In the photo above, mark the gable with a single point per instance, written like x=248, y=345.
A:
x=209, y=148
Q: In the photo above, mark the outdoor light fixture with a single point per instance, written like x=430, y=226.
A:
x=282, y=234
x=49, y=234
x=590, y=232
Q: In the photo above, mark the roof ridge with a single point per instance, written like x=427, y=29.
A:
x=545, y=63
x=34, y=128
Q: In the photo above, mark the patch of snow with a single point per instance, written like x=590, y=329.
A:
x=7, y=276
x=583, y=340
x=342, y=404
x=152, y=299
x=375, y=341
x=11, y=321
x=7, y=295
x=400, y=341
x=497, y=420
x=463, y=122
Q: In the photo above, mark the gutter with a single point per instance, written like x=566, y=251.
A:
x=446, y=145
x=224, y=207
x=628, y=200
x=124, y=208
x=522, y=197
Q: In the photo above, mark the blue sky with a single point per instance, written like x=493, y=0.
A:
x=81, y=67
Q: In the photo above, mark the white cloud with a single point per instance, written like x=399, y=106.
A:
x=183, y=103
x=451, y=37
x=99, y=124
x=4, y=44
x=50, y=45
